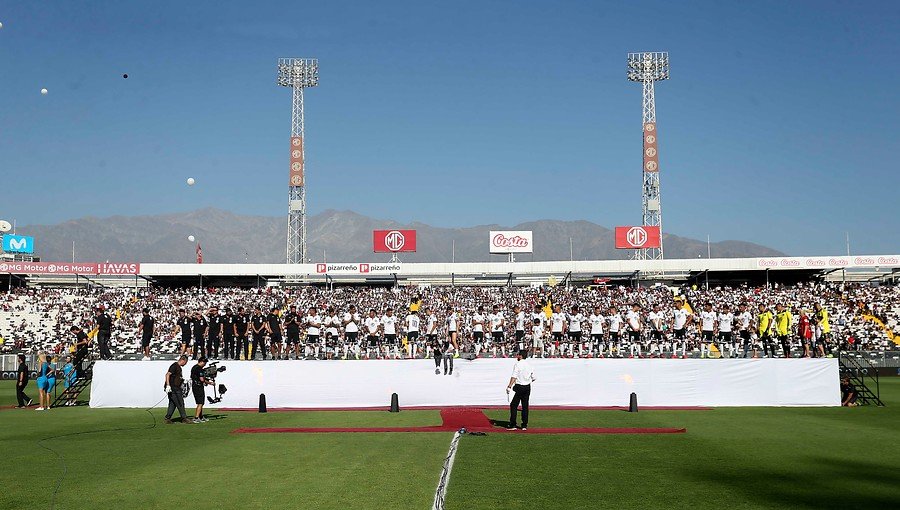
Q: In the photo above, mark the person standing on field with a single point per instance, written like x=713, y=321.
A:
x=520, y=384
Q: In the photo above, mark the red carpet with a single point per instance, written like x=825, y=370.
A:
x=436, y=408
x=472, y=419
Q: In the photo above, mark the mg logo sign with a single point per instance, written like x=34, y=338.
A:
x=394, y=240
x=636, y=236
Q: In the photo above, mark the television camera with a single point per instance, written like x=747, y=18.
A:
x=210, y=371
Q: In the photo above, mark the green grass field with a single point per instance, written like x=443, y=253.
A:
x=729, y=458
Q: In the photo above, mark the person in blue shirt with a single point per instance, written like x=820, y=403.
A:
x=69, y=375
x=46, y=380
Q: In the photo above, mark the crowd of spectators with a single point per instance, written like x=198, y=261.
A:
x=488, y=321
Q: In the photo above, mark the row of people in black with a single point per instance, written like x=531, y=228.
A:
x=236, y=335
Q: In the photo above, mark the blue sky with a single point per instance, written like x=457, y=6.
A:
x=778, y=126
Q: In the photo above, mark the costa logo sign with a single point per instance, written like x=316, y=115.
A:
x=393, y=241
x=828, y=262
x=631, y=238
x=511, y=241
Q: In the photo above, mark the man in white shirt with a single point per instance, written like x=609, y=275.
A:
x=707, y=329
x=453, y=329
x=539, y=314
x=635, y=325
x=520, y=383
x=389, y=328
x=557, y=326
x=332, y=324
x=352, y=322
x=478, y=323
x=520, y=327
x=373, y=327
x=575, y=319
x=312, y=322
x=596, y=321
x=412, y=333
x=498, y=333
x=537, y=336
x=615, y=327
x=680, y=318
x=431, y=331
x=725, y=323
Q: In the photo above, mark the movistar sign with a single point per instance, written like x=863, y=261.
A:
x=18, y=244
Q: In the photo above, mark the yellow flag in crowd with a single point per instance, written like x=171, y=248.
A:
x=685, y=306
x=92, y=333
x=548, y=309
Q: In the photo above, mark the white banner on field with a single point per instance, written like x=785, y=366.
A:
x=482, y=382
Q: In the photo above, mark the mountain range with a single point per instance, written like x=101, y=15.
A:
x=334, y=236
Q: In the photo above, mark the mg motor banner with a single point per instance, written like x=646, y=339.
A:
x=104, y=268
x=511, y=241
x=393, y=241
x=631, y=238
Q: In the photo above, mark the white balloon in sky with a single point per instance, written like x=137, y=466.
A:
x=44, y=92
x=191, y=238
x=1, y=25
x=191, y=181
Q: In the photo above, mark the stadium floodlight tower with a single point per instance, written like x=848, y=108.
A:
x=297, y=74
x=648, y=68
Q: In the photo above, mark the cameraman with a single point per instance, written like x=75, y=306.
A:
x=198, y=381
x=174, y=378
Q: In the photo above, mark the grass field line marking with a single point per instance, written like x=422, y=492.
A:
x=441, y=492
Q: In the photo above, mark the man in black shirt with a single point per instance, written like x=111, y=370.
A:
x=22, y=381
x=292, y=327
x=183, y=328
x=174, y=379
x=197, y=388
x=258, y=330
x=228, y=334
x=848, y=393
x=81, y=348
x=241, y=324
x=199, y=326
x=145, y=328
x=215, y=333
x=273, y=326
x=104, y=322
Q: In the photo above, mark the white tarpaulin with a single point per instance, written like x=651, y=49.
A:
x=565, y=382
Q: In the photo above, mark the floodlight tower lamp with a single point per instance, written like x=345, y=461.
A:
x=297, y=74
x=648, y=68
